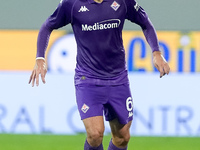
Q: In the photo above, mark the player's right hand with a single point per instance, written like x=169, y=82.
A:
x=39, y=68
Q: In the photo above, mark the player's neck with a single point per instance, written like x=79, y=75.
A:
x=98, y=1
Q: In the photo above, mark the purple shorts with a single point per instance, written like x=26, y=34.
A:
x=115, y=101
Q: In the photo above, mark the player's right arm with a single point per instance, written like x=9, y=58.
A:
x=60, y=18
x=40, y=67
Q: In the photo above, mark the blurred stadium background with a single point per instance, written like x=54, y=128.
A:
x=166, y=115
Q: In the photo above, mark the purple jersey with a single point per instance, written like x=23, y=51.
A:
x=98, y=31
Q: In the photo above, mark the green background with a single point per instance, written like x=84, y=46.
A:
x=76, y=142
x=165, y=14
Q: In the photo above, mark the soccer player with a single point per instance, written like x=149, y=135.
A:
x=101, y=79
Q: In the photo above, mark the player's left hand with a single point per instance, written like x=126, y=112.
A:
x=39, y=68
x=160, y=63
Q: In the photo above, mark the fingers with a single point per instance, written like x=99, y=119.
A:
x=164, y=70
x=37, y=78
x=39, y=68
x=43, y=74
x=32, y=78
x=160, y=69
x=167, y=69
x=161, y=64
x=162, y=74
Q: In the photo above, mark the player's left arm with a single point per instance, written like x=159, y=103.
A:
x=158, y=60
x=160, y=63
x=136, y=14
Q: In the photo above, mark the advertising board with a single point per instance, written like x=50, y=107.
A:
x=164, y=107
x=181, y=50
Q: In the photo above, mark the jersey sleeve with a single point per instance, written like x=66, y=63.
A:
x=136, y=14
x=61, y=16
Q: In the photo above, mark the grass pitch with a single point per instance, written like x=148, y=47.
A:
x=76, y=142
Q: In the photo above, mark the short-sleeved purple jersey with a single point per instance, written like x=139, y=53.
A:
x=98, y=31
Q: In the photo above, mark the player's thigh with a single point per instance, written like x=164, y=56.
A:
x=90, y=100
x=94, y=125
x=120, y=104
x=120, y=130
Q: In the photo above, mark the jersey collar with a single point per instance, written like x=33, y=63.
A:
x=92, y=1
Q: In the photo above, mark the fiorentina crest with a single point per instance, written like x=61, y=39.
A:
x=115, y=5
x=85, y=108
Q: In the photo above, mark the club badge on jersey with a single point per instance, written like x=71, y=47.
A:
x=115, y=5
